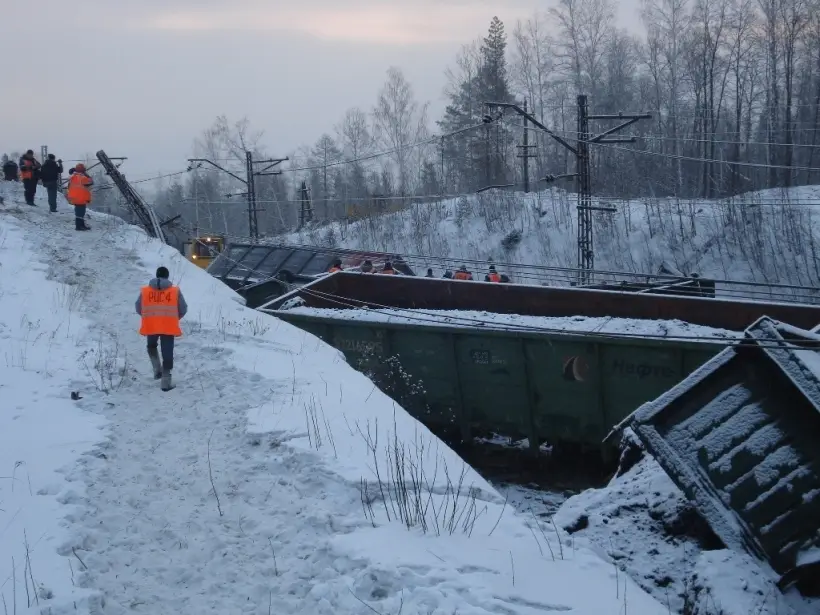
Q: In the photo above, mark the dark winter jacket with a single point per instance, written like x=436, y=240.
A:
x=162, y=284
x=10, y=170
x=50, y=171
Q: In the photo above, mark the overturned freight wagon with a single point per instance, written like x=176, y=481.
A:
x=420, y=293
x=543, y=379
x=741, y=438
x=263, y=272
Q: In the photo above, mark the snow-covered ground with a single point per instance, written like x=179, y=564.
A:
x=671, y=329
x=273, y=479
x=44, y=338
x=769, y=236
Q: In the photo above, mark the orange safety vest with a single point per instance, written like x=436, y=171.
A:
x=494, y=277
x=463, y=275
x=160, y=311
x=27, y=170
x=78, y=192
x=334, y=269
x=388, y=271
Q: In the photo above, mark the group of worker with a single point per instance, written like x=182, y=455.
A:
x=462, y=274
x=160, y=304
x=31, y=172
x=465, y=274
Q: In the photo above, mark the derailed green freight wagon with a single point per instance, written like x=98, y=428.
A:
x=549, y=387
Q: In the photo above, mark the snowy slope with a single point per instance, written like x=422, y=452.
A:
x=768, y=236
x=41, y=430
x=273, y=479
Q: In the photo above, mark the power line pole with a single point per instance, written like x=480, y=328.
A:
x=196, y=202
x=442, y=183
x=306, y=211
x=324, y=184
x=586, y=254
x=525, y=154
x=486, y=154
x=250, y=184
x=586, y=251
x=253, y=221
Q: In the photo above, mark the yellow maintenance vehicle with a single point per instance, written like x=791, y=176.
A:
x=201, y=251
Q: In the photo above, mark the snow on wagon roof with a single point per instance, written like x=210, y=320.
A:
x=490, y=320
x=739, y=437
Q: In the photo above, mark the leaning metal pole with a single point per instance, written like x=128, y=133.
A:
x=144, y=213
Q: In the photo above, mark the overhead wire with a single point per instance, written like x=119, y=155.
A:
x=727, y=288
x=420, y=316
x=760, y=165
x=658, y=137
x=164, y=176
x=440, y=196
x=387, y=152
x=423, y=316
x=575, y=134
x=753, y=294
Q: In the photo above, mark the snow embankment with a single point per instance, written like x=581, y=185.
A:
x=765, y=236
x=627, y=327
x=41, y=429
x=273, y=479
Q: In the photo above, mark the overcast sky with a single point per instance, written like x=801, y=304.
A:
x=143, y=78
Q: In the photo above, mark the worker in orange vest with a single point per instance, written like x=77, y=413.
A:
x=161, y=306
x=79, y=195
x=337, y=266
x=463, y=274
x=388, y=269
x=493, y=275
x=30, y=174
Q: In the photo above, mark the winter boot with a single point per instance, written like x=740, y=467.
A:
x=165, y=383
x=155, y=364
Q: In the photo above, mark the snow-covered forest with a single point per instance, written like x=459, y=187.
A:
x=733, y=87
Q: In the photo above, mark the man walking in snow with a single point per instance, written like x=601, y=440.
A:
x=30, y=174
x=50, y=174
x=79, y=195
x=161, y=306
